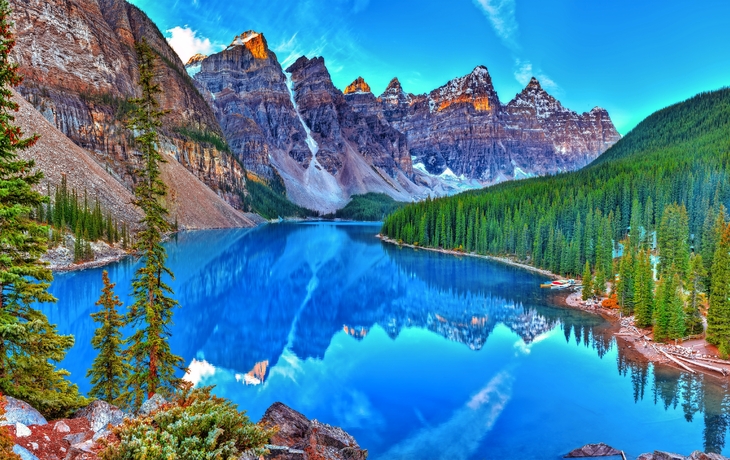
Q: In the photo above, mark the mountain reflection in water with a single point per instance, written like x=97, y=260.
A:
x=417, y=354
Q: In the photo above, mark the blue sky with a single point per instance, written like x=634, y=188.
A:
x=630, y=57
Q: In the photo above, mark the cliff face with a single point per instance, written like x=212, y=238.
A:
x=190, y=201
x=297, y=126
x=80, y=68
x=462, y=129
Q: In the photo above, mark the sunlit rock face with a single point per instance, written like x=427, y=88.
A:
x=297, y=128
x=357, y=86
x=80, y=67
x=463, y=128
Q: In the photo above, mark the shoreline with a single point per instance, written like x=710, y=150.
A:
x=90, y=264
x=695, y=356
x=503, y=260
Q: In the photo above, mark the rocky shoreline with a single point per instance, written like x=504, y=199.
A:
x=696, y=356
x=83, y=435
x=61, y=257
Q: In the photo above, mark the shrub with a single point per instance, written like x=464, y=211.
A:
x=195, y=425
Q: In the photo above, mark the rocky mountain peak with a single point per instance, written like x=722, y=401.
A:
x=254, y=42
x=475, y=88
x=194, y=64
x=357, y=86
x=306, y=63
x=196, y=59
x=535, y=97
x=394, y=87
x=394, y=94
x=534, y=84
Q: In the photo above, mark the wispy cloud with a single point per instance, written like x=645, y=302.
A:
x=292, y=49
x=501, y=14
x=186, y=43
x=464, y=430
x=524, y=71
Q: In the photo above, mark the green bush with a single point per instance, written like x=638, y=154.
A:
x=195, y=425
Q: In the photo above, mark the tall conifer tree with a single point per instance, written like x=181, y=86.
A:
x=643, y=290
x=718, y=316
x=587, y=282
x=697, y=274
x=153, y=363
x=109, y=371
x=29, y=344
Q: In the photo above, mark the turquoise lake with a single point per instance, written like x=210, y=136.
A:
x=417, y=354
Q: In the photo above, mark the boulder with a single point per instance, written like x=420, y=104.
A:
x=61, y=427
x=696, y=455
x=82, y=451
x=22, y=431
x=17, y=411
x=100, y=415
x=293, y=426
x=593, y=450
x=24, y=453
x=75, y=438
x=152, y=404
x=299, y=438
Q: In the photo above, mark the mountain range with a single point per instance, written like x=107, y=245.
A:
x=237, y=118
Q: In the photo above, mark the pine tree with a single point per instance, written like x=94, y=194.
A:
x=625, y=283
x=675, y=309
x=153, y=363
x=697, y=274
x=29, y=344
x=662, y=310
x=599, y=282
x=643, y=290
x=587, y=284
x=109, y=371
x=718, y=316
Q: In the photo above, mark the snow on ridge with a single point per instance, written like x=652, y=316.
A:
x=193, y=69
x=458, y=184
x=243, y=38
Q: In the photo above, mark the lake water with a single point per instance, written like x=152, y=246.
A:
x=418, y=355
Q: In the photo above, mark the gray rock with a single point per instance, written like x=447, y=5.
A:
x=22, y=431
x=17, y=411
x=152, y=404
x=81, y=451
x=75, y=438
x=24, y=453
x=696, y=455
x=296, y=434
x=100, y=415
x=282, y=453
x=594, y=450
x=61, y=427
x=101, y=434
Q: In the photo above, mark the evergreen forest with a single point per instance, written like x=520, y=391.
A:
x=648, y=216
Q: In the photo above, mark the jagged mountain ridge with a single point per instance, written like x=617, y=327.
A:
x=457, y=136
x=295, y=129
x=80, y=68
x=463, y=129
x=295, y=126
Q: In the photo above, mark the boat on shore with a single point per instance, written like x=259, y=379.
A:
x=558, y=284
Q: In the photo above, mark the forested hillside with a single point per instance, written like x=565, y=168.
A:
x=669, y=175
